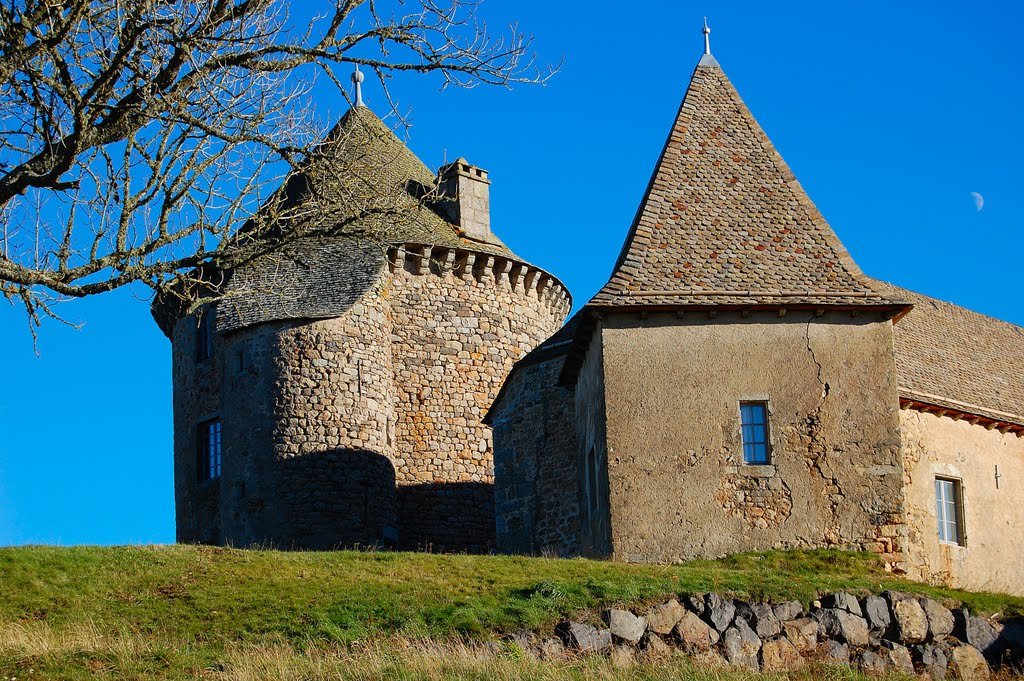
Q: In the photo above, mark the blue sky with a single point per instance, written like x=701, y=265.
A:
x=890, y=114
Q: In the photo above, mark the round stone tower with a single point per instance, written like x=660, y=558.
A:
x=333, y=395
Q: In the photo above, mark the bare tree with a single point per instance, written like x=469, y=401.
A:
x=137, y=137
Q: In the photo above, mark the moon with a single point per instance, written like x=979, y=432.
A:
x=979, y=201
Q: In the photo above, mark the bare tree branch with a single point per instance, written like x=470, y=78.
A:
x=137, y=137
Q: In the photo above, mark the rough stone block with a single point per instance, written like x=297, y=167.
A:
x=741, y=645
x=662, y=618
x=780, y=655
x=803, y=633
x=843, y=625
x=585, y=638
x=718, y=612
x=911, y=621
x=694, y=634
x=970, y=664
x=625, y=626
x=843, y=601
x=876, y=611
x=940, y=618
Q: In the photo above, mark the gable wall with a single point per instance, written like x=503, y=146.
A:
x=678, y=486
x=991, y=558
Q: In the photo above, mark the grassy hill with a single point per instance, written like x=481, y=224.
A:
x=195, y=612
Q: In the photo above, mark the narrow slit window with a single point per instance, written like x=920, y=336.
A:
x=204, y=338
x=754, y=426
x=208, y=450
x=949, y=510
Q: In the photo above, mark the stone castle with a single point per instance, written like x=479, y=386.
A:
x=737, y=385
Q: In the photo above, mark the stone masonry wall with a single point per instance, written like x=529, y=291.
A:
x=535, y=464
x=992, y=508
x=364, y=428
x=460, y=321
x=679, y=486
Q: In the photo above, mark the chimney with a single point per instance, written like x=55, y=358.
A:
x=465, y=198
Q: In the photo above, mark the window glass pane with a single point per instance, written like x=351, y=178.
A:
x=947, y=511
x=754, y=431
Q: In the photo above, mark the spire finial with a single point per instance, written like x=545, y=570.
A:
x=357, y=79
x=707, y=37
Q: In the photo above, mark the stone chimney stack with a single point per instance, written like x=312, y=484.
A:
x=466, y=199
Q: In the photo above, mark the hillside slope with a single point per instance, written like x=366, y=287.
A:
x=196, y=612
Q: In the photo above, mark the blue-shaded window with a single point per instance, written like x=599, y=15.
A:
x=754, y=425
x=949, y=510
x=208, y=448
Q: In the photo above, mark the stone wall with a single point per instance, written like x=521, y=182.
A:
x=460, y=321
x=678, y=485
x=993, y=510
x=535, y=464
x=364, y=428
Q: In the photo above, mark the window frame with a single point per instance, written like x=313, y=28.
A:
x=765, y=430
x=942, y=505
x=209, y=450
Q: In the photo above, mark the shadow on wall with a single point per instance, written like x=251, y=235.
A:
x=447, y=517
x=340, y=498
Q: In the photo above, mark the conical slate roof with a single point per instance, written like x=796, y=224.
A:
x=367, y=182
x=361, y=191
x=725, y=222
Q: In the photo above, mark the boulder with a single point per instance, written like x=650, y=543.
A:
x=694, y=634
x=980, y=633
x=662, y=618
x=940, y=618
x=872, y=663
x=790, y=610
x=933, y=661
x=718, y=612
x=654, y=648
x=897, y=656
x=843, y=625
x=833, y=652
x=802, y=633
x=585, y=638
x=843, y=601
x=625, y=626
x=741, y=645
x=970, y=664
x=763, y=621
x=876, y=611
x=780, y=655
x=911, y=622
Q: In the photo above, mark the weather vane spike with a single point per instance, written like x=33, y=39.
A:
x=357, y=79
x=707, y=37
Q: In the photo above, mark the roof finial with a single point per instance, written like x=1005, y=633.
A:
x=707, y=37
x=357, y=78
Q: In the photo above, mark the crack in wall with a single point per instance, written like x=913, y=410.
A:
x=816, y=446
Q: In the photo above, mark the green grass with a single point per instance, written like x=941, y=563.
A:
x=184, y=609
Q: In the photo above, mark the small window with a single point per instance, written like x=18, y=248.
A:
x=949, y=509
x=754, y=425
x=204, y=338
x=208, y=450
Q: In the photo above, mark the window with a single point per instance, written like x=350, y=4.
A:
x=949, y=507
x=208, y=450
x=204, y=337
x=754, y=426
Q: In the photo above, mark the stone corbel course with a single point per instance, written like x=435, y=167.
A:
x=892, y=632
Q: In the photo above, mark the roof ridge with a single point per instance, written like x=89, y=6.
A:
x=1014, y=326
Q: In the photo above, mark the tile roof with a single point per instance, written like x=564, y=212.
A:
x=725, y=222
x=951, y=357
